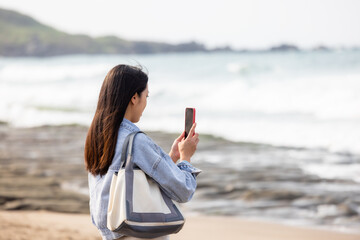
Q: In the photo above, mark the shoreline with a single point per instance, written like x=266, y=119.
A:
x=42, y=168
x=50, y=225
x=207, y=137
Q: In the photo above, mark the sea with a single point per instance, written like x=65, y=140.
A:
x=307, y=100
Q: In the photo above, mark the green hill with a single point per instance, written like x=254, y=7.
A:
x=21, y=35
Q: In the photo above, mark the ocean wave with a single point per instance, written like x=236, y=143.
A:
x=43, y=72
x=247, y=69
x=296, y=101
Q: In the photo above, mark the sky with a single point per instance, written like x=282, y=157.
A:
x=253, y=24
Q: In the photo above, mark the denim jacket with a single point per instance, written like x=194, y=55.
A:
x=177, y=180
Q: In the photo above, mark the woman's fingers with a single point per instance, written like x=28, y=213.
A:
x=187, y=147
x=192, y=130
x=181, y=136
x=197, y=138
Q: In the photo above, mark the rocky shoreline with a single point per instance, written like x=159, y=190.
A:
x=42, y=169
x=36, y=164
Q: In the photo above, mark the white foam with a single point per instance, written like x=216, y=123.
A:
x=334, y=171
x=45, y=72
x=291, y=103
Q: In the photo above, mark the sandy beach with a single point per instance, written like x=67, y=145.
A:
x=16, y=225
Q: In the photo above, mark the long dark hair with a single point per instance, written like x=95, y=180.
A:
x=120, y=84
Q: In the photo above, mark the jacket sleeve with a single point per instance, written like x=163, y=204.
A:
x=178, y=181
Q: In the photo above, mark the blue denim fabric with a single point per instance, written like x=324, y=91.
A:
x=177, y=180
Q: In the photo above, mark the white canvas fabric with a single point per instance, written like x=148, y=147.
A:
x=116, y=212
x=147, y=197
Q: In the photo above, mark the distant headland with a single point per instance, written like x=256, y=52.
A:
x=22, y=36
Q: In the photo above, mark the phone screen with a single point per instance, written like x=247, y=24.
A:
x=189, y=119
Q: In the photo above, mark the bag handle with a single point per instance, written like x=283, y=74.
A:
x=126, y=153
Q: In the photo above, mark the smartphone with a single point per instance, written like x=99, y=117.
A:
x=189, y=119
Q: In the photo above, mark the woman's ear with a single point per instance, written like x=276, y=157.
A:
x=135, y=98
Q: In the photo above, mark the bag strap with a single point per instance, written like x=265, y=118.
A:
x=126, y=152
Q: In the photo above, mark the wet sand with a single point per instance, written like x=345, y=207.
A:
x=41, y=225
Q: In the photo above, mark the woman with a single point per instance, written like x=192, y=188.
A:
x=122, y=100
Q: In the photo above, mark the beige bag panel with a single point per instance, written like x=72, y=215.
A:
x=117, y=195
x=146, y=188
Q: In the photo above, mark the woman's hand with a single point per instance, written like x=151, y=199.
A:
x=184, y=148
x=187, y=146
x=174, y=152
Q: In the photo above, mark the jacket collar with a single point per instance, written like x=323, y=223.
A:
x=129, y=125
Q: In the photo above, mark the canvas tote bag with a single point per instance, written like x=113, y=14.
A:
x=137, y=205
